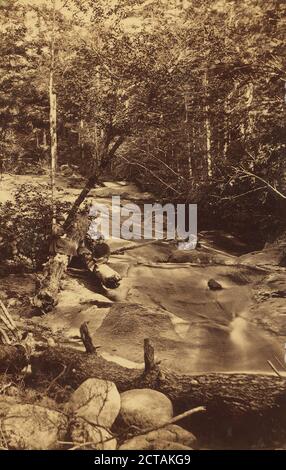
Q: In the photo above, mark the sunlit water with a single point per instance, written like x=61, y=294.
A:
x=212, y=331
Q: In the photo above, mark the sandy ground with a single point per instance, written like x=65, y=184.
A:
x=163, y=297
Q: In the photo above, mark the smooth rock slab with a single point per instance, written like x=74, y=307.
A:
x=97, y=401
x=145, y=408
x=33, y=427
x=171, y=433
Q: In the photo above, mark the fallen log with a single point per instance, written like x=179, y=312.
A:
x=107, y=276
x=94, y=257
x=237, y=404
x=49, y=283
x=243, y=392
x=123, y=249
x=47, y=296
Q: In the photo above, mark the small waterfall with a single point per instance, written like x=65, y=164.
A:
x=238, y=333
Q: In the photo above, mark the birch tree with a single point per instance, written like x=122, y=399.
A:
x=53, y=110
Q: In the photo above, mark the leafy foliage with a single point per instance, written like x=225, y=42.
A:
x=25, y=224
x=180, y=96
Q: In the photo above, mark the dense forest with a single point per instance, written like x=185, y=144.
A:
x=107, y=344
x=190, y=95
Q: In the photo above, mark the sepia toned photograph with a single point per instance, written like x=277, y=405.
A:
x=142, y=228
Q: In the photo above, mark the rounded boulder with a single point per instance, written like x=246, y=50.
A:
x=33, y=427
x=97, y=401
x=145, y=408
x=88, y=437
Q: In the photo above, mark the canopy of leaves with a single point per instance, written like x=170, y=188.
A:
x=181, y=96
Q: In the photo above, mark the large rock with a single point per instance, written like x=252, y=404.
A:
x=172, y=434
x=271, y=255
x=32, y=427
x=6, y=402
x=158, y=445
x=96, y=437
x=145, y=408
x=97, y=401
x=166, y=445
x=199, y=257
x=127, y=325
x=214, y=285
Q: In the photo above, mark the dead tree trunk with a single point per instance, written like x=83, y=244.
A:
x=86, y=339
x=83, y=194
x=46, y=297
x=149, y=356
x=246, y=404
x=249, y=407
x=107, y=276
x=64, y=248
x=105, y=156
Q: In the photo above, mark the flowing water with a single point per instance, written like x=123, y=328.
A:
x=214, y=328
x=195, y=329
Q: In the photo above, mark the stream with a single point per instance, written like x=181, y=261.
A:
x=163, y=297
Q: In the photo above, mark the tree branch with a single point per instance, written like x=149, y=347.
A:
x=131, y=162
x=112, y=152
x=237, y=196
x=249, y=174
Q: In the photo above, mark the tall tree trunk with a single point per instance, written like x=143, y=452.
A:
x=44, y=138
x=53, y=116
x=207, y=125
x=282, y=173
x=188, y=104
x=80, y=139
x=225, y=137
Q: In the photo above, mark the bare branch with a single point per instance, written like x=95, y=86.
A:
x=131, y=162
x=249, y=174
x=240, y=195
x=143, y=431
x=161, y=161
